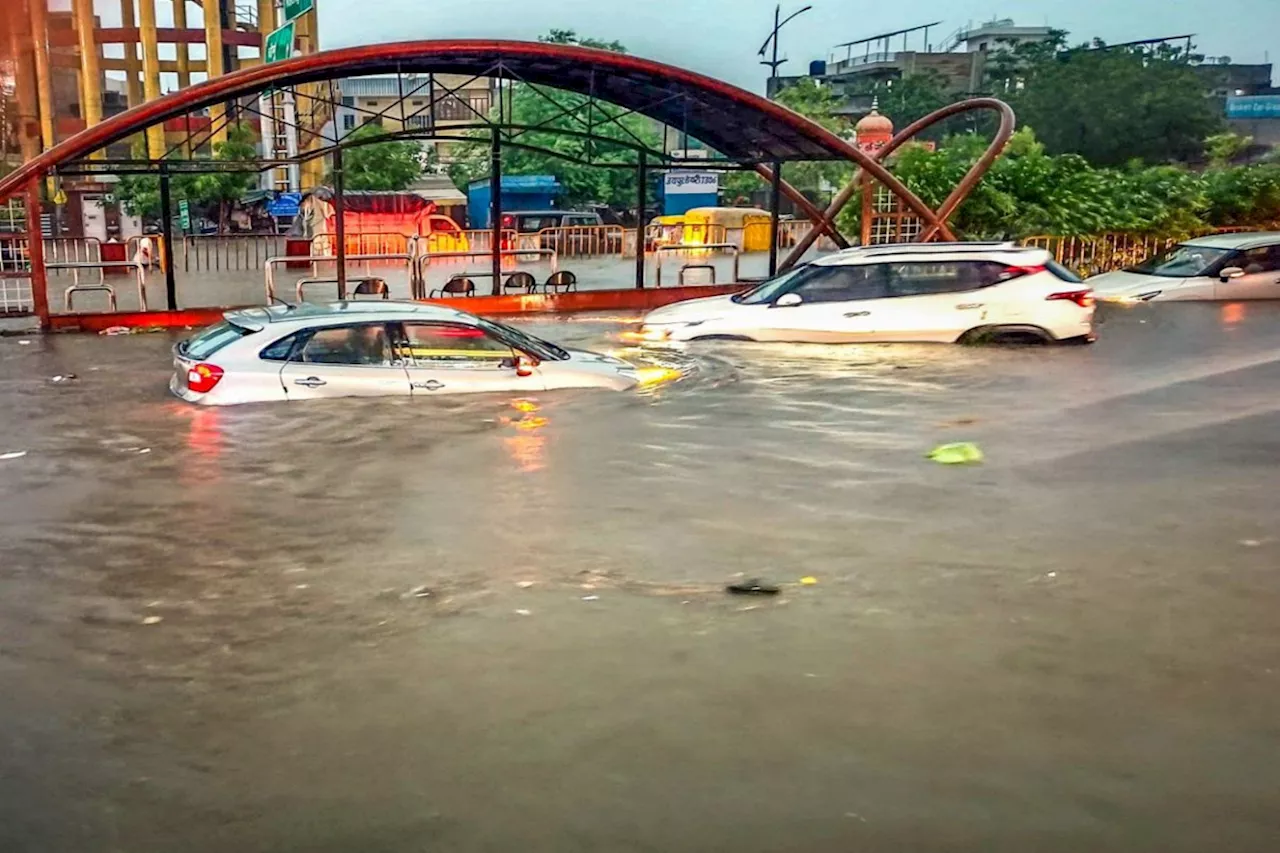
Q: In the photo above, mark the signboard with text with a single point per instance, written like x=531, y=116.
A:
x=184, y=214
x=1253, y=106
x=294, y=9
x=280, y=43
x=691, y=183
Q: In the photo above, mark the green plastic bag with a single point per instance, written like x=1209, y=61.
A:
x=958, y=453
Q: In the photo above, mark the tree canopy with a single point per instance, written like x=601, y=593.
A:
x=387, y=166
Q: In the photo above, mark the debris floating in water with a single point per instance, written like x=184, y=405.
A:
x=12, y=454
x=590, y=598
x=523, y=612
x=524, y=584
x=64, y=377
x=956, y=453
x=808, y=580
x=153, y=620
x=754, y=586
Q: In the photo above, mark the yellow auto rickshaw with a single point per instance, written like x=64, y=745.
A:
x=748, y=228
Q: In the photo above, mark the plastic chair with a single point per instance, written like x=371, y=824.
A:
x=563, y=280
x=456, y=286
x=520, y=281
x=371, y=287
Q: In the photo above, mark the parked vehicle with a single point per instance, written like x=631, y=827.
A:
x=746, y=227
x=378, y=349
x=1219, y=266
x=569, y=232
x=943, y=292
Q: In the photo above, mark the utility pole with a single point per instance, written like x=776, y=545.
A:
x=778, y=24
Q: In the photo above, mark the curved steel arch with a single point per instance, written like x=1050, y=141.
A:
x=739, y=124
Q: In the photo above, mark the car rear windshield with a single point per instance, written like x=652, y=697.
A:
x=1182, y=261
x=212, y=339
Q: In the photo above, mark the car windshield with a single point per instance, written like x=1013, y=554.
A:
x=524, y=340
x=212, y=339
x=774, y=287
x=1182, y=261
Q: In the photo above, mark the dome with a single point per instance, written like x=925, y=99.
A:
x=873, y=124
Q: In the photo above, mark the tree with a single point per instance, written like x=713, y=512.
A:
x=221, y=189
x=1109, y=105
x=571, y=159
x=380, y=166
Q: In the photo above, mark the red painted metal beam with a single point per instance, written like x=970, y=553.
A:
x=629, y=299
x=386, y=58
x=35, y=255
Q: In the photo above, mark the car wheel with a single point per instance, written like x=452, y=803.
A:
x=1006, y=336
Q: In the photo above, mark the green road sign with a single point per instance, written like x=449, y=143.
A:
x=280, y=43
x=296, y=8
x=184, y=214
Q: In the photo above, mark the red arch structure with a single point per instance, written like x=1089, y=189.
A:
x=747, y=129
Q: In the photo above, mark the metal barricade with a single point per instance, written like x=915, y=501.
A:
x=661, y=251
x=218, y=252
x=680, y=278
x=424, y=260
x=584, y=240
x=65, y=250
x=366, y=243
x=101, y=286
x=316, y=260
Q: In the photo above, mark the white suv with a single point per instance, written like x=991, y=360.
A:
x=940, y=292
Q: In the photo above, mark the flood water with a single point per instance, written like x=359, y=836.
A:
x=499, y=624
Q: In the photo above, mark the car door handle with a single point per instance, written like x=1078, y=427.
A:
x=858, y=314
x=310, y=382
x=969, y=306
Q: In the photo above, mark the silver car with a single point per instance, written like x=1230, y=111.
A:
x=377, y=349
x=1219, y=266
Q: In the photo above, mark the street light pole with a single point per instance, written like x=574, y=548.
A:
x=778, y=24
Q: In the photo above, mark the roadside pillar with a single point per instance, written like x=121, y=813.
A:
x=213, y=63
x=90, y=70
x=44, y=80
x=495, y=208
x=183, y=49
x=166, y=232
x=775, y=210
x=151, y=73
x=133, y=92
x=340, y=224
x=35, y=254
x=642, y=178
x=28, y=115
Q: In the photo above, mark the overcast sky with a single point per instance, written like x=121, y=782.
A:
x=721, y=37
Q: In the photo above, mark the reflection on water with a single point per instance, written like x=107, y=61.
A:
x=498, y=623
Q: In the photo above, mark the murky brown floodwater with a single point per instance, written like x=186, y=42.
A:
x=1072, y=647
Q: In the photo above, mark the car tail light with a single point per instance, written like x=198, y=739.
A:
x=1083, y=298
x=203, y=377
x=1012, y=272
x=508, y=221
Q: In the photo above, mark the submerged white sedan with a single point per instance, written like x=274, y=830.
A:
x=378, y=349
x=1215, y=267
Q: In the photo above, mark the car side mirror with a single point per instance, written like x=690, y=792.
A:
x=1229, y=273
x=787, y=300
x=524, y=364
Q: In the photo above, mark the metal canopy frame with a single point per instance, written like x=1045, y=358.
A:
x=750, y=132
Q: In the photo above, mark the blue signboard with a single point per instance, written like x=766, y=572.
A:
x=285, y=204
x=1253, y=106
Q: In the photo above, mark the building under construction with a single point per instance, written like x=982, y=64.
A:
x=62, y=71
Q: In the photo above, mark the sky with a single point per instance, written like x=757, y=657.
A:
x=721, y=37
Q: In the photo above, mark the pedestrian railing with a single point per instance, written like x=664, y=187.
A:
x=1093, y=254
x=427, y=258
x=229, y=252
x=62, y=250
x=695, y=251
x=584, y=240
x=317, y=260
x=100, y=286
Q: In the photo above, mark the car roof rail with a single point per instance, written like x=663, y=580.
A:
x=901, y=248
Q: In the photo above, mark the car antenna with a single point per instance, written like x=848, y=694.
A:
x=288, y=306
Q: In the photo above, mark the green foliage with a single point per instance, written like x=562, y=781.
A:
x=1223, y=148
x=1029, y=192
x=566, y=156
x=1109, y=106
x=380, y=166
x=818, y=104
x=140, y=194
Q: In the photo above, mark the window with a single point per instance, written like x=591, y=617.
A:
x=348, y=122
x=212, y=339
x=925, y=279
x=417, y=103
x=452, y=345
x=1182, y=261
x=348, y=101
x=1259, y=260
x=415, y=122
x=842, y=283
x=533, y=224
x=373, y=120
x=371, y=104
x=283, y=349
x=364, y=345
